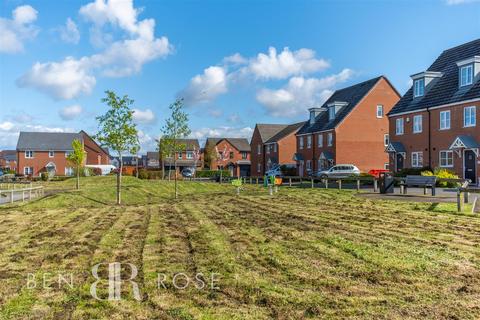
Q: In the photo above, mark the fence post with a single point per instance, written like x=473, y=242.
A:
x=11, y=196
x=340, y=184
x=459, y=200
x=358, y=184
x=326, y=183
x=289, y=181
x=375, y=185
x=270, y=190
x=257, y=179
x=466, y=196
x=312, y=182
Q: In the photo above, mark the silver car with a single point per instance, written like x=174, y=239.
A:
x=338, y=171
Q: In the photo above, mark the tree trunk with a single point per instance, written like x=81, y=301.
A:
x=78, y=177
x=137, y=169
x=176, y=184
x=119, y=182
x=163, y=169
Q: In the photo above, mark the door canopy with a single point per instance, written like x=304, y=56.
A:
x=396, y=147
x=465, y=142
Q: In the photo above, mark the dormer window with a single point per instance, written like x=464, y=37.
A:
x=418, y=88
x=466, y=75
x=331, y=113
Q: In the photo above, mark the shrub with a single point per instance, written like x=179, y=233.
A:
x=211, y=173
x=411, y=171
x=44, y=176
x=442, y=173
x=97, y=171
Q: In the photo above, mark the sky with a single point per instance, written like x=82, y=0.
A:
x=235, y=63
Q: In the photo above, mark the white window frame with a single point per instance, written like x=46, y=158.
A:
x=415, y=159
x=244, y=155
x=379, y=111
x=419, y=87
x=417, y=124
x=259, y=149
x=320, y=140
x=308, y=165
x=466, y=78
x=309, y=142
x=386, y=139
x=51, y=154
x=331, y=113
x=399, y=124
x=29, y=154
x=27, y=171
x=268, y=149
x=180, y=155
x=444, y=124
x=446, y=158
x=189, y=155
x=69, y=171
x=259, y=167
x=330, y=139
x=300, y=142
x=472, y=116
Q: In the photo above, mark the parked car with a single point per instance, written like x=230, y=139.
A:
x=188, y=172
x=337, y=171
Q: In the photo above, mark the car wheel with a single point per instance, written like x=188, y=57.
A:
x=324, y=176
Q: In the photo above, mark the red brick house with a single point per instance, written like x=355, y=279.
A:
x=349, y=128
x=273, y=144
x=237, y=157
x=186, y=158
x=8, y=159
x=435, y=124
x=47, y=151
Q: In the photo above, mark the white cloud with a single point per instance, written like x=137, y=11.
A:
x=285, y=64
x=72, y=77
x=13, y=32
x=236, y=58
x=300, y=94
x=456, y=2
x=67, y=79
x=205, y=87
x=223, y=131
x=147, y=142
x=71, y=112
x=9, y=132
x=6, y=126
x=234, y=118
x=146, y=116
x=69, y=32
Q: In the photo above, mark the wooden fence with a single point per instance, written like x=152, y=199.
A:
x=13, y=194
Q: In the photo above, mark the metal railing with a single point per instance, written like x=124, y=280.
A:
x=21, y=194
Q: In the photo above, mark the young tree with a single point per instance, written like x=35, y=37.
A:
x=77, y=157
x=175, y=128
x=118, y=131
x=210, y=155
x=162, y=148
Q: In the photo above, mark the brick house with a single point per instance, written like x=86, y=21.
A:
x=47, y=152
x=273, y=144
x=186, y=158
x=237, y=159
x=8, y=159
x=350, y=127
x=434, y=123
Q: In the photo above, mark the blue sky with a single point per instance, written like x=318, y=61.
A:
x=236, y=63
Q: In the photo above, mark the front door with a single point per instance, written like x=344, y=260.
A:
x=399, y=160
x=470, y=166
x=300, y=168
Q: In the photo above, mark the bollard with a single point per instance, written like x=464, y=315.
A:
x=289, y=181
x=11, y=196
x=326, y=183
x=270, y=190
x=276, y=189
x=312, y=182
x=375, y=185
x=339, y=184
x=358, y=185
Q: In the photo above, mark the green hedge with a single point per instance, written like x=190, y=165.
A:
x=149, y=174
x=211, y=173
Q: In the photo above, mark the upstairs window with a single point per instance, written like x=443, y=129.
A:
x=469, y=117
x=418, y=87
x=320, y=140
x=268, y=149
x=28, y=154
x=331, y=113
x=231, y=155
x=309, y=142
x=445, y=120
x=417, y=124
x=189, y=155
x=51, y=154
x=259, y=149
x=300, y=142
x=244, y=155
x=180, y=155
x=330, y=139
x=379, y=111
x=399, y=126
x=466, y=75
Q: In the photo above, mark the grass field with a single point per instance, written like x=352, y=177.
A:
x=303, y=253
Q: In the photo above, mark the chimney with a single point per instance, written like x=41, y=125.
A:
x=314, y=112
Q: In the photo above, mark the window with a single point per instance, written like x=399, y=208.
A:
x=309, y=142
x=29, y=154
x=268, y=148
x=259, y=167
x=379, y=111
x=244, y=155
x=312, y=117
x=445, y=120
x=259, y=149
x=386, y=166
x=300, y=142
x=399, y=126
x=417, y=159
x=331, y=113
x=231, y=155
x=446, y=159
x=386, y=139
x=309, y=164
x=469, y=119
x=418, y=87
x=274, y=147
x=68, y=171
x=189, y=155
x=417, y=124
x=320, y=140
x=466, y=75
x=330, y=139
x=51, y=154
x=28, y=171
x=180, y=155
x=67, y=153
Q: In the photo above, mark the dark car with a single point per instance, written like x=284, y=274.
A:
x=188, y=172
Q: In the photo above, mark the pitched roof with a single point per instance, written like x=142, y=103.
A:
x=269, y=130
x=45, y=141
x=10, y=155
x=292, y=128
x=241, y=144
x=446, y=89
x=351, y=95
x=153, y=155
